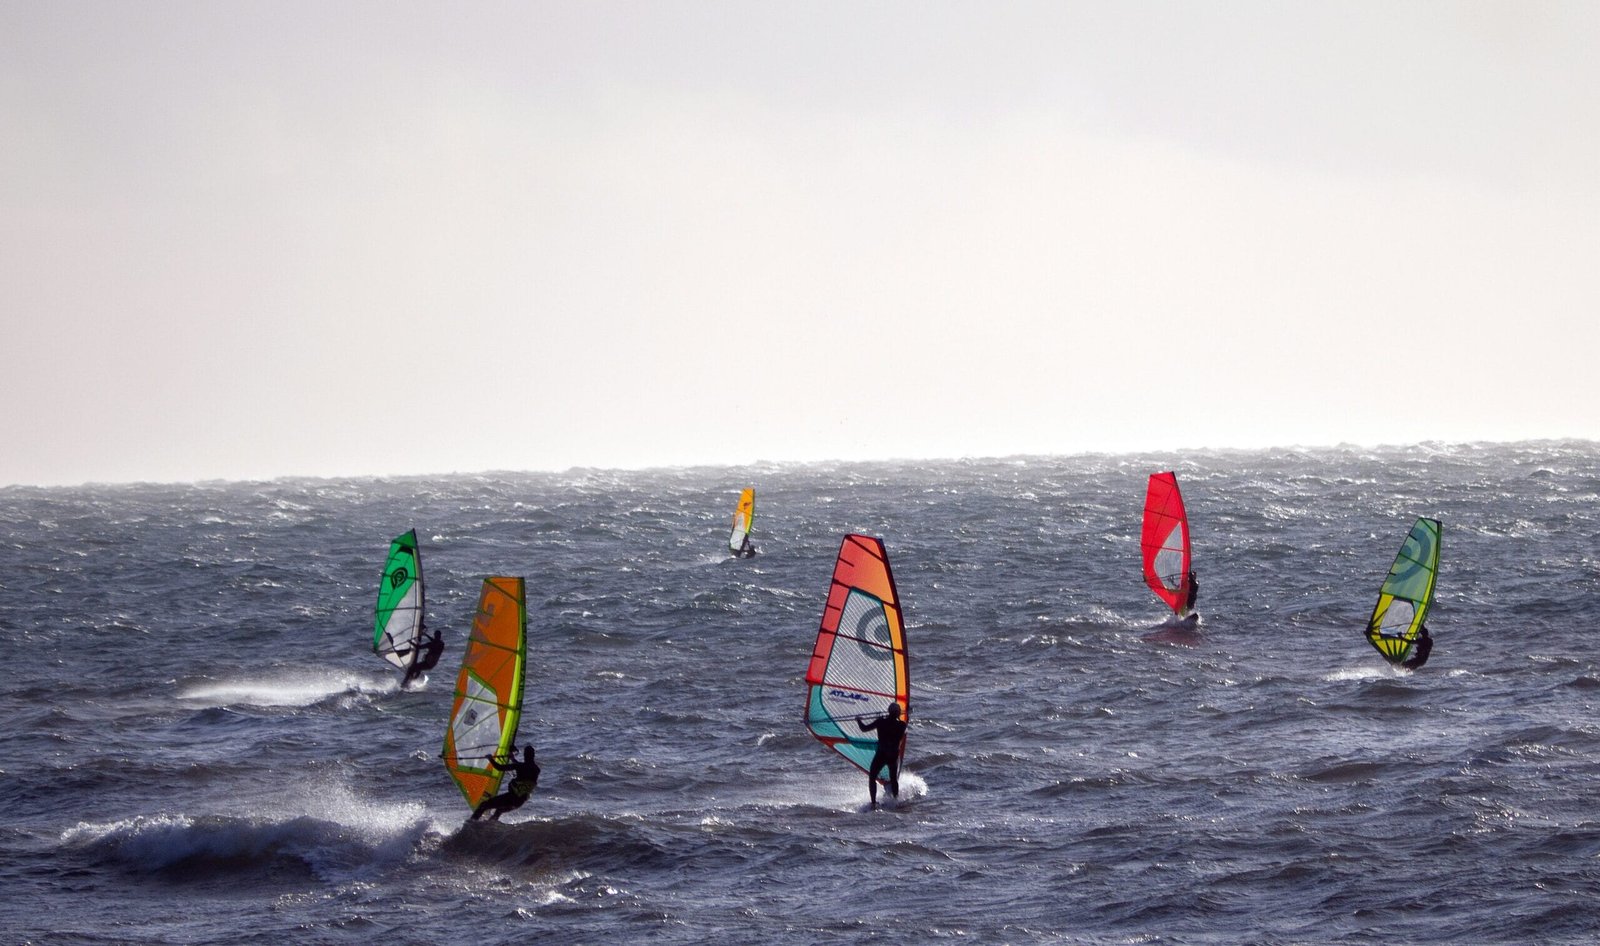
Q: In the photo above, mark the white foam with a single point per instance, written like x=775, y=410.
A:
x=1360, y=673
x=301, y=689
x=840, y=792
x=337, y=834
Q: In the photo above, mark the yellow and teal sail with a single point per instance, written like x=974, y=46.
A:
x=744, y=519
x=397, y=624
x=1407, y=593
x=860, y=663
x=488, y=699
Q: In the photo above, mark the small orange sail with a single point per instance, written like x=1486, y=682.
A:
x=744, y=519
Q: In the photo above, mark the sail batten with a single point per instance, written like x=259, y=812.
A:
x=398, y=615
x=1407, y=593
x=1164, y=541
x=860, y=662
x=488, y=696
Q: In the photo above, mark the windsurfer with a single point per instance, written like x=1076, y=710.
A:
x=1194, y=592
x=428, y=651
x=891, y=735
x=1424, y=648
x=746, y=550
x=524, y=778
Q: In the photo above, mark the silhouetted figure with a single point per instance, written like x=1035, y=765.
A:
x=891, y=735
x=1420, y=655
x=428, y=651
x=524, y=780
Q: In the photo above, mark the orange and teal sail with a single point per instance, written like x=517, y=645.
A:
x=488, y=700
x=1164, y=542
x=860, y=663
x=744, y=519
x=398, y=615
x=1407, y=593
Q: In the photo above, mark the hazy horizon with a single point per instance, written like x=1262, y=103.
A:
x=1175, y=458
x=260, y=240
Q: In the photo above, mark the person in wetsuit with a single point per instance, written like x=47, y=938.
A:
x=891, y=735
x=1194, y=592
x=1424, y=648
x=428, y=652
x=524, y=778
x=746, y=550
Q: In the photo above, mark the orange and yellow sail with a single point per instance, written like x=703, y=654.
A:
x=744, y=519
x=488, y=698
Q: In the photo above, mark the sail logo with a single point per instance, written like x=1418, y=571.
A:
x=400, y=577
x=485, y=615
x=866, y=617
x=1413, y=568
x=847, y=695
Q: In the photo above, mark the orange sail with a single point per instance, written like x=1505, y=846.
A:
x=744, y=518
x=488, y=701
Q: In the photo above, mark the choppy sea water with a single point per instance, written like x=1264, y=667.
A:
x=200, y=748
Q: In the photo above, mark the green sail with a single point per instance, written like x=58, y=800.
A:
x=398, y=617
x=1407, y=593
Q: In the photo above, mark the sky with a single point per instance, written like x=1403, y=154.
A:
x=257, y=239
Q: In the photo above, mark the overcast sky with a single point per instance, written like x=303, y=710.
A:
x=259, y=239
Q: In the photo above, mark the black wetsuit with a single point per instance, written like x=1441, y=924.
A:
x=1424, y=648
x=525, y=777
x=891, y=734
x=1194, y=592
x=427, y=658
x=746, y=550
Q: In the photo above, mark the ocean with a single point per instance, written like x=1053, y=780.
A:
x=201, y=748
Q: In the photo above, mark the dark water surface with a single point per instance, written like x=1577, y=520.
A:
x=200, y=748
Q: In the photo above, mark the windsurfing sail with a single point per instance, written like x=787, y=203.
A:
x=1407, y=593
x=860, y=663
x=488, y=701
x=744, y=518
x=398, y=623
x=1165, y=541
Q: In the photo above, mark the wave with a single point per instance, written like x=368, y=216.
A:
x=224, y=848
x=562, y=843
x=321, y=830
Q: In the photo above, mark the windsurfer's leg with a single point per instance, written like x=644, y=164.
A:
x=494, y=805
x=894, y=777
x=878, y=765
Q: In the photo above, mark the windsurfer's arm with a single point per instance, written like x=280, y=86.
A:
x=868, y=727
